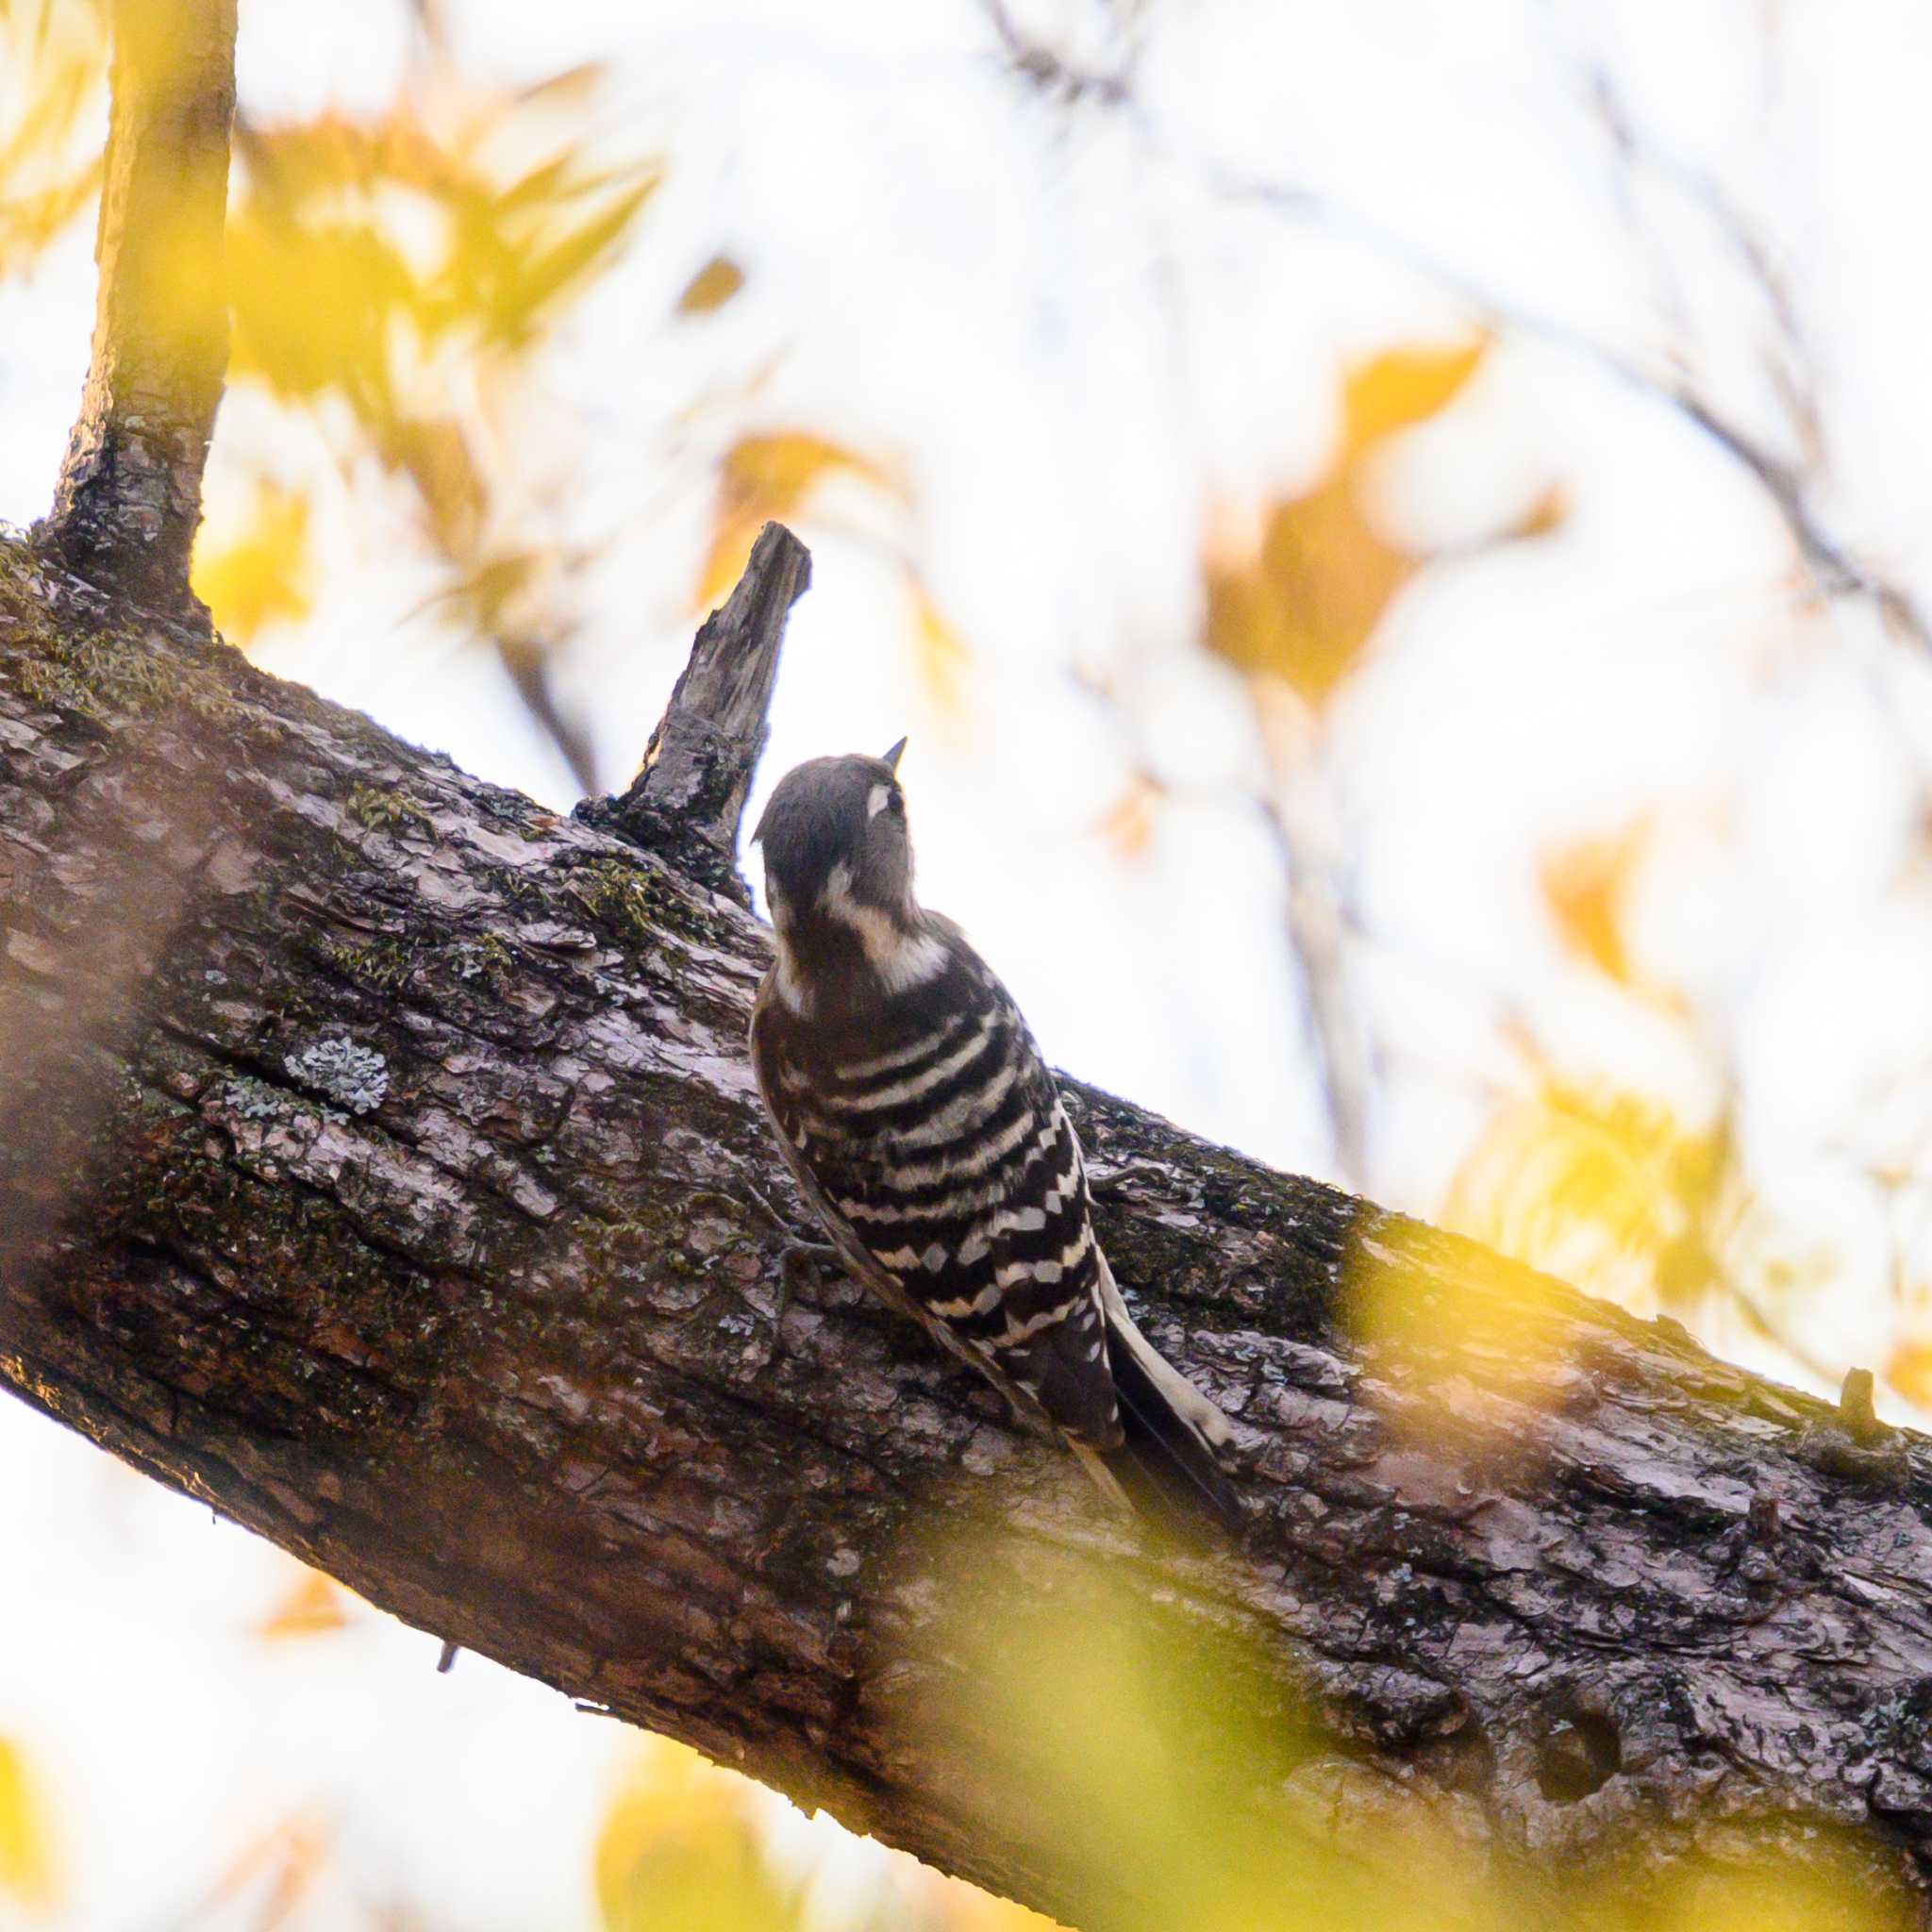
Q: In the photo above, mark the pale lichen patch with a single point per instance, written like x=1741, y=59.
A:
x=355, y=1078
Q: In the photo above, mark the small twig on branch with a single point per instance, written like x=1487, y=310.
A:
x=128, y=501
x=688, y=795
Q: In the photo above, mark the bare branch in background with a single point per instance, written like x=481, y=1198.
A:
x=1297, y=810
x=1299, y=818
x=1052, y=71
x=528, y=663
x=128, y=501
x=1832, y=561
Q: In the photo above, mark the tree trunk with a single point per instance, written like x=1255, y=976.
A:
x=379, y=1162
x=129, y=496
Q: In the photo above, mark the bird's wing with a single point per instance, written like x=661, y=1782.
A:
x=999, y=1263
x=864, y=1265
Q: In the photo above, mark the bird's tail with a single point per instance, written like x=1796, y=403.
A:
x=1167, y=1466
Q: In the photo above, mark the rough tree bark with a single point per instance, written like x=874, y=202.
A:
x=378, y=1161
x=129, y=497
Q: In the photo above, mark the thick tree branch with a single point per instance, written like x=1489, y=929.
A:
x=379, y=1162
x=128, y=501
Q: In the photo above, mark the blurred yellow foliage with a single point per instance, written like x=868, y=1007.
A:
x=26, y=1862
x=1154, y=1763
x=1908, y=1369
x=773, y=477
x=1400, y=389
x=766, y=478
x=392, y=273
x=313, y=1607
x=1298, y=596
x=53, y=71
x=274, y=1874
x=264, y=573
x=679, y=1852
x=1129, y=823
x=941, y=657
x=1301, y=604
x=1833, y=1891
x=1607, y=1189
x=356, y=241
x=1586, y=884
x=1071, y=1707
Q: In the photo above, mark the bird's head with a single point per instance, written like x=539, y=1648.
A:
x=836, y=845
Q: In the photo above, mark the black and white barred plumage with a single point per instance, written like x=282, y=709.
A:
x=925, y=1129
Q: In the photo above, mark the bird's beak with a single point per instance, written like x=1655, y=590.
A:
x=891, y=758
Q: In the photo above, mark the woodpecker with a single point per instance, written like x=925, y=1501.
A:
x=925, y=1130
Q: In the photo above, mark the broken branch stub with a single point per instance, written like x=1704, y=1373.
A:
x=689, y=794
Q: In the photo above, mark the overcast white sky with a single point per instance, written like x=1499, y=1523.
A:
x=1073, y=341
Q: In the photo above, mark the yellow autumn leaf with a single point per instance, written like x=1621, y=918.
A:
x=519, y=272
x=768, y=476
x=1908, y=1369
x=264, y=569
x=1301, y=599
x=1607, y=1189
x=1303, y=607
x=327, y=287
x=679, y=1852
x=315, y=304
x=1586, y=885
x=26, y=1861
x=53, y=66
x=314, y=1607
x=941, y=657
x=274, y=1871
x=436, y=455
x=265, y=573
x=1129, y=823
x=1404, y=387
x=713, y=286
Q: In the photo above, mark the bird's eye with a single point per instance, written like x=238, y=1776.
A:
x=895, y=802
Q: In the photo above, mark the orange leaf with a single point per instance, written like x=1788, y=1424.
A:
x=1310, y=593
x=1549, y=512
x=1129, y=824
x=712, y=287
x=1304, y=608
x=1586, y=884
x=312, y=1608
x=1403, y=387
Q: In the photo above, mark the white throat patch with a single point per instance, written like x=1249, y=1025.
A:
x=901, y=959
